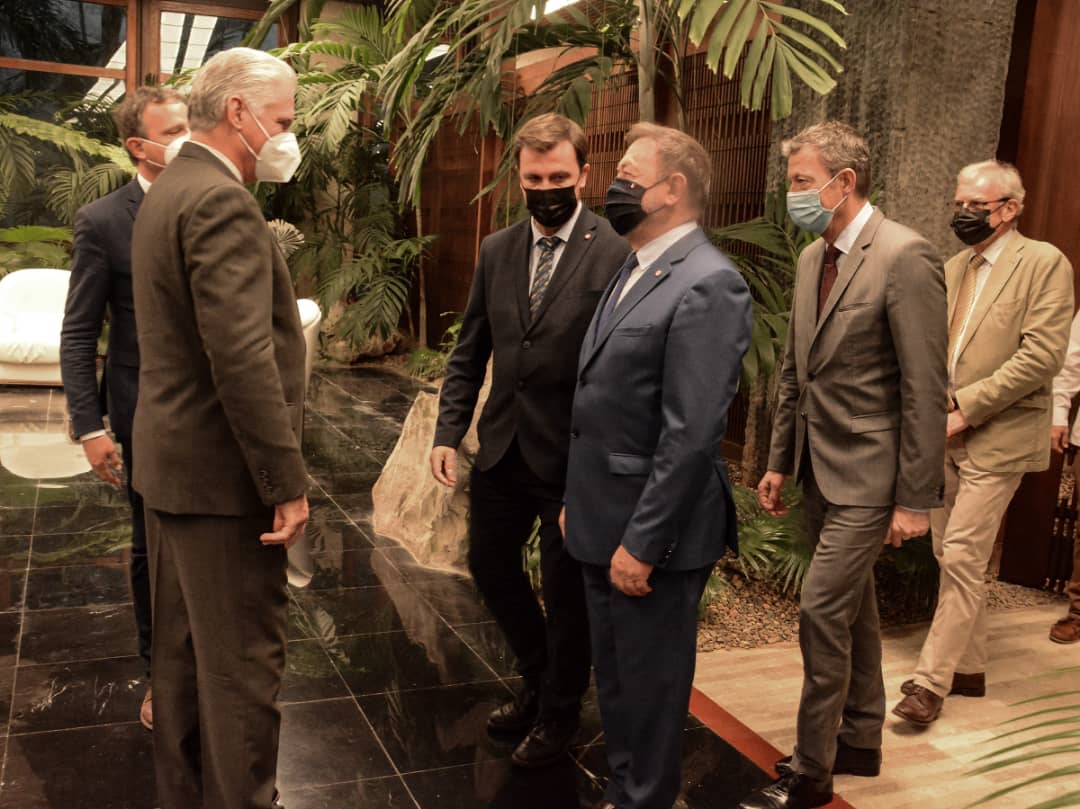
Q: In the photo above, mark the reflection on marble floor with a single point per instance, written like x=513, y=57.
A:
x=392, y=668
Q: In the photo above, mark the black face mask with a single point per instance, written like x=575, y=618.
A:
x=551, y=207
x=622, y=204
x=972, y=227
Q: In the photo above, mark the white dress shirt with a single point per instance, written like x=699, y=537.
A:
x=1067, y=384
x=562, y=234
x=648, y=254
x=846, y=240
x=990, y=254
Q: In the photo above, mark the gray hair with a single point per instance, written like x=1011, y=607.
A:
x=1003, y=175
x=243, y=72
x=678, y=152
x=839, y=146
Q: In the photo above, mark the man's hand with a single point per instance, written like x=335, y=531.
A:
x=1059, y=438
x=956, y=424
x=906, y=525
x=562, y=522
x=768, y=492
x=628, y=575
x=289, y=521
x=104, y=459
x=444, y=465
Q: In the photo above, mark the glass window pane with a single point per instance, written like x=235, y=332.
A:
x=188, y=40
x=67, y=31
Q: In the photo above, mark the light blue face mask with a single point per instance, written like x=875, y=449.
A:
x=806, y=210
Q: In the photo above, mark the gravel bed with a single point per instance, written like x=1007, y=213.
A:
x=748, y=614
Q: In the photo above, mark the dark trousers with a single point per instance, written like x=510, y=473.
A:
x=140, y=561
x=843, y=691
x=644, y=652
x=552, y=649
x=220, y=607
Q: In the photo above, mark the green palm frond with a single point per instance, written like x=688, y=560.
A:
x=69, y=141
x=68, y=189
x=760, y=36
x=25, y=234
x=1038, y=745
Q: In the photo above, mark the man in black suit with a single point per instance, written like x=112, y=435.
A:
x=536, y=286
x=148, y=121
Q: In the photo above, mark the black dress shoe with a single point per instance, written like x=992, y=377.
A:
x=515, y=718
x=862, y=761
x=792, y=791
x=546, y=743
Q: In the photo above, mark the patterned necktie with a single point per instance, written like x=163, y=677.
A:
x=616, y=293
x=828, y=276
x=542, y=276
x=965, y=301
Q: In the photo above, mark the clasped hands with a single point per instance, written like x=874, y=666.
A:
x=904, y=525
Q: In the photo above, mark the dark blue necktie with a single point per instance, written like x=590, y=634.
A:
x=613, y=301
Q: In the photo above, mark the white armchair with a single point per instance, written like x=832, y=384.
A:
x=31, y=313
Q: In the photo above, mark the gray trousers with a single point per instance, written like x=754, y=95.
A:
x=220, y=612
x=843, y=691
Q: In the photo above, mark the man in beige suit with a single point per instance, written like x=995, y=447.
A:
x=860, y=422
x=1010, y=305
x=218, y=461
x=1066, y=386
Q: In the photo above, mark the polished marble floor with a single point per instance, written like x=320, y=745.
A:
x=392, y=667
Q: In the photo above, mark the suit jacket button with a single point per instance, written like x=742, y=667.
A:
x=575, y=434
x=521, y=384
x=526, y=344
x=810, y=377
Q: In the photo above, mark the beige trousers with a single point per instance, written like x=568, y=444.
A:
x=963, y=533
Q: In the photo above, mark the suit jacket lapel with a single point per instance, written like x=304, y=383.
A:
x=851, y=263
x=653, y=277
x=135, y=197
x=954, y=275
x=577, y=246
x=1000, y=272
x=519, y=267
x=807, y=281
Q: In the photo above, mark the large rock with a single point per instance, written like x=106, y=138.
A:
x=410, y=506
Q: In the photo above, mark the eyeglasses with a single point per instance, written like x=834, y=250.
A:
x=978, y=204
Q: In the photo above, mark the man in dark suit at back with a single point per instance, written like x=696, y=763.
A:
x=535, y=288
x=648, y=500
x=148, y=120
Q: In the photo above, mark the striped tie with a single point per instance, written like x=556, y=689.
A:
x=542, y=277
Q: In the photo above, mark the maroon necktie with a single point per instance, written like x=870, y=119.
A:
x=828, y=276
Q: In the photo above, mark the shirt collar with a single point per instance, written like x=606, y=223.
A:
x=994, y=251
x=231, y=166
x=651, y=252
x=563, y=233
x=846, y=240
x=144, y=183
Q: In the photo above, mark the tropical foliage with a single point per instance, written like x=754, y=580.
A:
x=1051, y=731
x=80, y=170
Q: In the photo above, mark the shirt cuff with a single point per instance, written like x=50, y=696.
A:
x=89, y=436
x=1061, y=416
x=916, y=510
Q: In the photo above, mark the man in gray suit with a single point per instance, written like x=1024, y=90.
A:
x=860, y=422
x=218, y=461
x=648, y=501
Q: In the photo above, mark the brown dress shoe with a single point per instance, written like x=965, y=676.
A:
x=146, y=711
x=921, y=707
x=1067, y=630
x=963, y=685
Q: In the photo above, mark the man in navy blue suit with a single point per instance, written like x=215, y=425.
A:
x=648, y=501
x=148, y=121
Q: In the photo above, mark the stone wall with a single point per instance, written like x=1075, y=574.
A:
x=924, y=81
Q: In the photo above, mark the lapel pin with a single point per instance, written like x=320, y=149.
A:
x=658, y=273
x=588, y=236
